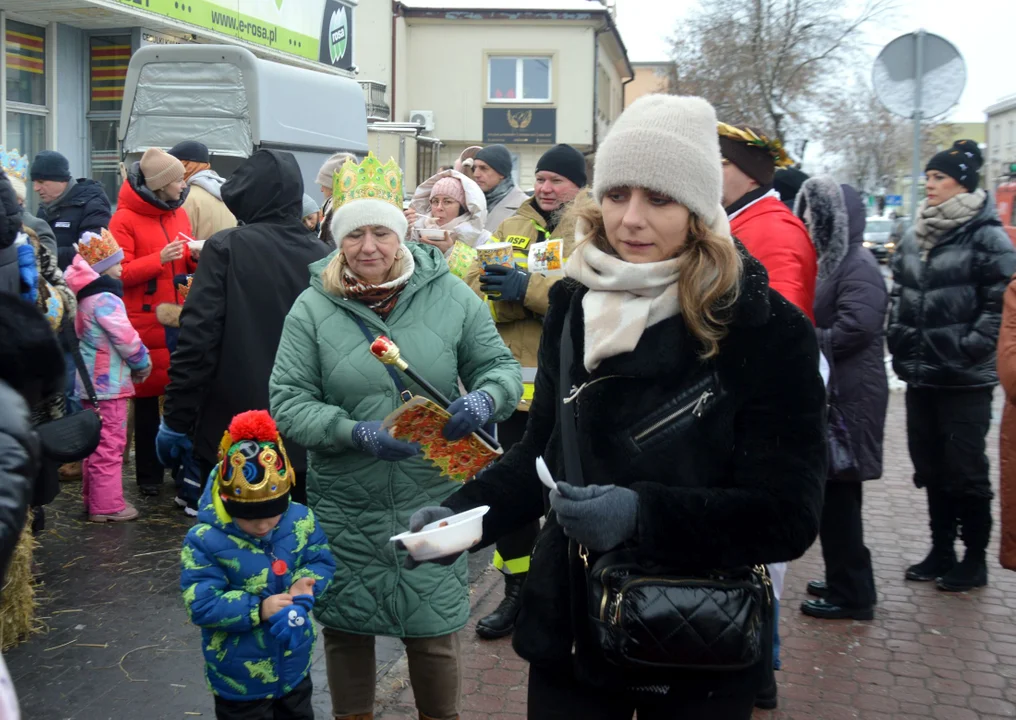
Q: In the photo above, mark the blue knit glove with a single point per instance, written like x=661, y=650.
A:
x=601, y=517
x=506, y=284
x=373, y=439
x=29, y=273
x=170, y=445
x=468, y=414
x=290, y=624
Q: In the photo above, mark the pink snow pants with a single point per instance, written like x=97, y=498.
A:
x=102, y=471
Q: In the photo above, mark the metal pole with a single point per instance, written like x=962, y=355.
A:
x=918, y=72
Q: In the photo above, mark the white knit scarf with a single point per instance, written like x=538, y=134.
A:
x=935, y=222
x=623, y=300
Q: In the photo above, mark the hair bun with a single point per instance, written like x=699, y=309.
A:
x=972, y=151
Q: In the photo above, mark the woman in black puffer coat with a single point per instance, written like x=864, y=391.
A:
x=950, y=274
x=850, y=309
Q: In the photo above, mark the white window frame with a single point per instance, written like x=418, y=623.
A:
x=519, y=64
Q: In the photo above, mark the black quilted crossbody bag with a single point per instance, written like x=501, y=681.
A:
x=648, y=619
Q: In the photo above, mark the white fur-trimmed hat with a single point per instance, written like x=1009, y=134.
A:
x=668, y=144
x=363, y=212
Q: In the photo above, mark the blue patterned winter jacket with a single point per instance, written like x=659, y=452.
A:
x=226, y=574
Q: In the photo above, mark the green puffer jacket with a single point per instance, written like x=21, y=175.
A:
x=325, y=381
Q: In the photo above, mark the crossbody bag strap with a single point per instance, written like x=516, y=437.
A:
x=569, y=437
x=399, y=385
x=86, y=379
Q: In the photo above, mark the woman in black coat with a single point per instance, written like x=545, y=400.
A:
x=699, y=415
x=949, y=277
x=850, y=309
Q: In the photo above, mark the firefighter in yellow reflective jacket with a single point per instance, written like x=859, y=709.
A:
x=518, y=300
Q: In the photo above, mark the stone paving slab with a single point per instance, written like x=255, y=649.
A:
x=926, y=655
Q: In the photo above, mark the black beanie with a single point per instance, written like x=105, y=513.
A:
x=565, y=161
x=788, y=182
x=50, y=165
x=962, y=162
x=190, y=150
x=498, y=157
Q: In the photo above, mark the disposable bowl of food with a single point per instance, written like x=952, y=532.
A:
x=432, y=233
x=446, y=537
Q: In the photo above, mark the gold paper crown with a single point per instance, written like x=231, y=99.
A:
x=749, y=137
x=96, y=248
x=253, y=464
x=370, y=180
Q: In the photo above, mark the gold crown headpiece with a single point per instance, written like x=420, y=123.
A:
x=253, y=465
x=368, y=180
x=749, y=137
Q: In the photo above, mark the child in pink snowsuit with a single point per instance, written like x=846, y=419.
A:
x=115, y=358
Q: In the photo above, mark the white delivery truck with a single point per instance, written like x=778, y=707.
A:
x=236, y=103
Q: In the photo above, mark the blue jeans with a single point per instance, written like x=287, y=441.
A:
x=73, y=404
x=776, y=634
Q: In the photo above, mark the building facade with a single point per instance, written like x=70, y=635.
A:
x=1000, y=163
x=64, y=62
x=650, y=78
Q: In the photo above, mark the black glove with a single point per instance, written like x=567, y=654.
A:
x=422, y=517
x=506, y=284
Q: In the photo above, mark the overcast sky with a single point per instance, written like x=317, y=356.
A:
x=984, y=31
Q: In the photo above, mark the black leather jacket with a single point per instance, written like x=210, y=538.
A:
x=19, y=463
x=945, y=310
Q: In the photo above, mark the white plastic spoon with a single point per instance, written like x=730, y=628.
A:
x=544, y=472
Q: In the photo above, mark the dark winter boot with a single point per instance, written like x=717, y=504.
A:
x=942, y=520
x=975, y=526
x=501, y=622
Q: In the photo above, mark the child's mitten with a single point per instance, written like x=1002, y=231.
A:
x=29, y=273
x=290, y=624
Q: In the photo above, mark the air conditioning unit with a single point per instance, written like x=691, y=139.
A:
x=422, y=117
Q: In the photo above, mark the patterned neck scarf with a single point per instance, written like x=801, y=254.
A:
x=380, y=298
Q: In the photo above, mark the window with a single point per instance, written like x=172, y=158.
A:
x=108, y=57
x=25, y=47
x=26, y=133
x=518, y=79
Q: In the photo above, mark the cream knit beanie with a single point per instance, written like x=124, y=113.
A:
x=366, y=212
x=160, y=169
x=331, y=165
x=668, y=144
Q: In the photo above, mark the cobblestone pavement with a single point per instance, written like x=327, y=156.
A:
x=926, y=655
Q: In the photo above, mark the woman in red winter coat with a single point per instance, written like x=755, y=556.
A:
x=152, y=228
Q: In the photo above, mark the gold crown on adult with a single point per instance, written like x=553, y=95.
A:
x=253, y=464
x=368, y=180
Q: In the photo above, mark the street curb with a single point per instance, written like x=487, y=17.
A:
x=393, y=681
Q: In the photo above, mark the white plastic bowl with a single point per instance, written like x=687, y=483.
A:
x=446, y=537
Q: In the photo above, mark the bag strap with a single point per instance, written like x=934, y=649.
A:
x=86, y=379
x=399, y=385
x=569, y=437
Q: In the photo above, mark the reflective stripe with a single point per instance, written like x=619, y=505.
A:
x=519, y=566
x=528, y=390
x=528, y=375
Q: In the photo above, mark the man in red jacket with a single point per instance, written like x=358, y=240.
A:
x=760, y=220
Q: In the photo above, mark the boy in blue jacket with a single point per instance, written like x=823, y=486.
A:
x=252, y=567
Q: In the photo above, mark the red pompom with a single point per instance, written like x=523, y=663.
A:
x=253, y=425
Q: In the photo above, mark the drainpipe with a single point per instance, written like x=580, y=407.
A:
x=396, y=12
x=596, y=81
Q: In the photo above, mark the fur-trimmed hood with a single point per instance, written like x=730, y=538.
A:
x=820, y=205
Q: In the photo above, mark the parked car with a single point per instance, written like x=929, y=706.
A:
x=879, y=237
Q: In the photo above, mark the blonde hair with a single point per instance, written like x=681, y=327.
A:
x=709, y=271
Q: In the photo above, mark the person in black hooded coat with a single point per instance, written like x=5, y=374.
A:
x=245, y=285
x=850, y=308
x=10, y=226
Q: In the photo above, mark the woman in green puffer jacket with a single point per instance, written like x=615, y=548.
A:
x=329, y=394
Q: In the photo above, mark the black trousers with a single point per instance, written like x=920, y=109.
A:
x=848, y=571
x=294, y=706
x=146, y=427
x=555, y=696
x=298, y=493
x=946, y=431
x=514, y=549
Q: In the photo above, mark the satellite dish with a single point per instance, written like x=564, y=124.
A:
x=933, y=89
